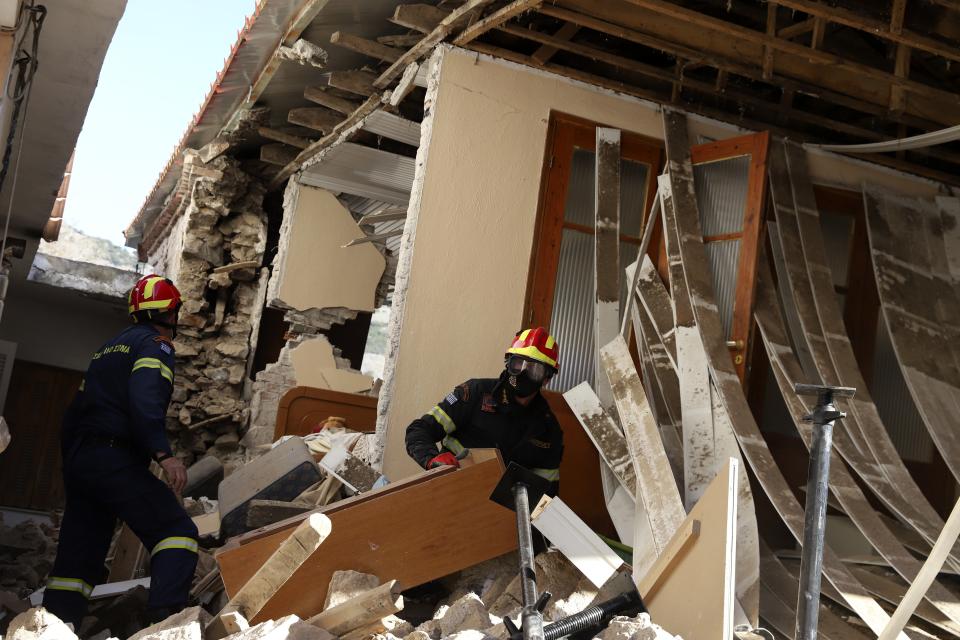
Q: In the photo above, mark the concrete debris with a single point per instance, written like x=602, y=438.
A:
x=186, y=625
x=27, y=551
x=345, y=585
x=418, y=635
x=203, y=477
x=288, y=628
x=555, y=574
x=39, y=624
x=305, y=53
x=638, y=628
x=466, y=613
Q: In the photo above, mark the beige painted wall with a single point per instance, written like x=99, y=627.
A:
x=314, y=366
x=314, y=270
x=475, y=226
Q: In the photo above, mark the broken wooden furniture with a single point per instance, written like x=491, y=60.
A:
x=412, y=531
x=303, y=408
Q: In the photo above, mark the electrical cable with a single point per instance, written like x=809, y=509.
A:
x=27, y=64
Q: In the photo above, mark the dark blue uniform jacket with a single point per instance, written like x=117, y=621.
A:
x=125, y=393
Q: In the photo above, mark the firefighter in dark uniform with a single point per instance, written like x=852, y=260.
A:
x=112, y=429
x=508, y=413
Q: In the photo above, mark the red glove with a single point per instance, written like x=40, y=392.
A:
x=444, y=459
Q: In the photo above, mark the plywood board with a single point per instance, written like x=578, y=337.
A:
x=606, y=315
x=697, y=273
x=703, y=570
x=424, y=531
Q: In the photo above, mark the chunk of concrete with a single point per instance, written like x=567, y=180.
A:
x=39, y=624
x=203, y=478
x=638, y=628
x=417, y=634
x=555, y=574
x=466, y=613
x=348, y=584
x=186, y=625
x=280, y=474
x=286, y=628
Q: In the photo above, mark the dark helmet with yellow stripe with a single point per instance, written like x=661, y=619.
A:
x=152, y=297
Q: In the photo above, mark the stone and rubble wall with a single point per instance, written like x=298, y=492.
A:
x=214, y=254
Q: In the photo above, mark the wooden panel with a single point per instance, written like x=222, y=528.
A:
x=420, y=533
x=703, y=570
x=30, y=467
x=303, y=408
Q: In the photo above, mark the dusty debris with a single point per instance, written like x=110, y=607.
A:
x=346, y=585
x=186, y=625
x=466, y=613
x=305, y=53
x=637, y=628
x=27, y=551
x=554, y=574
x=288, y=628
x=39, y=624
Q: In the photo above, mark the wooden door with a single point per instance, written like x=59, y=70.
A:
x=731, y=180
x=30, y=476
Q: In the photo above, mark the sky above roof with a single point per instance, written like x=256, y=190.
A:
x=157, y=71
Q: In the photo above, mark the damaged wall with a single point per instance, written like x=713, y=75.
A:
x=317, y=283
x=213, y=253
x=470, y=228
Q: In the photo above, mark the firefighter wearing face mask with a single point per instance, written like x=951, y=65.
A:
x=508, y=413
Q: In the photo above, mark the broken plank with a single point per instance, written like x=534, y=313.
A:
x=542, y=55
x=606, y=251
x=277, y=153
x=494, y=20
x=359, y=611
x=385, y=536
x=387, y=215
x=655, y=483
x=225, y=624
x=603, y=432
x=319, y=118
x=282, y=564
x=355, y=81
x=420, y=17
x=403, y=40
x=405, y=84
x=429, y=41
x=696, y=270
x=284, y=137
x=328, y=99
x=264, y=512
x=575, y=540
x=369, y=48
x=893, y=592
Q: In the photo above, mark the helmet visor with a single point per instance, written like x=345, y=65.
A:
x=536, y=371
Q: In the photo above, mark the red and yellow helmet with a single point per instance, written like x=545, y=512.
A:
x=536, y=344
x=151, y=295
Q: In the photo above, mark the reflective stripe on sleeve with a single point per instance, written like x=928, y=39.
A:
x=175, y=542
x=57, y=583
x=441, y=416
x=154, y=363
x=453, y=445
x=550, y=474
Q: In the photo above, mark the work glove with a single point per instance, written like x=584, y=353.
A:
x=444, y=459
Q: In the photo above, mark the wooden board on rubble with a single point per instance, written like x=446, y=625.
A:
x=874, y=462
x=303, y=408
x=702, y=569
x=697, y=273
x=424, y=531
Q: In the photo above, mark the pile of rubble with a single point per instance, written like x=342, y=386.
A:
x=27, y=551
x=219, y=275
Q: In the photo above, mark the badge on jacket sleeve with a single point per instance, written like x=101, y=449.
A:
x=165, y=345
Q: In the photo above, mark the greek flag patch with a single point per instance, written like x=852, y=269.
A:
x=451, y=399
x=166, y=348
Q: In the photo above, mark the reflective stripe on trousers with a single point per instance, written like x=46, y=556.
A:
x=175, y=542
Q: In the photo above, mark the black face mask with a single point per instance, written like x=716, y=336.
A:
x=520, y=385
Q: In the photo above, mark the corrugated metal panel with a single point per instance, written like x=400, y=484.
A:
x=573, y=303
x=579, y=208
x=360, y=170
x=837, y=230
x=724, y=257
x=633, y=197
x=896, y=407
x=722, y=194
x=393, y=127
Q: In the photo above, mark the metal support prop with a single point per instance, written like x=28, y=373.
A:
x=531, y=618
x=815, y=514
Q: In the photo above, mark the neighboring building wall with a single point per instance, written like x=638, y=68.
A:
x=318, y=282
x=213, y=254
x=465, y=257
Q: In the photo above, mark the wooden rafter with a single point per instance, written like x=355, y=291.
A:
x=282, y=136
x=819, y=31
x=369, y=48
x=695, y=18
x=495, y=19
x=798, y=29
x=417, y=51
x=545, y=52
x=327, y=99
x=898, y=100
x=741, y=67
x=772, y=32
x=892, y=30
x=355, y=81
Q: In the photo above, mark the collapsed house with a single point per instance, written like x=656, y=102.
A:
x=674, y=190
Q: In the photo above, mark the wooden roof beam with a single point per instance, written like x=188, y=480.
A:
x=741, y=67
x=328, y=99
x=355, y=81
x=891, y=31
x=284, y=137
x=365, y=47
x=318, y=118
x=768, y=52
x=798, y=29
x=495, y=19
x=542, y=55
